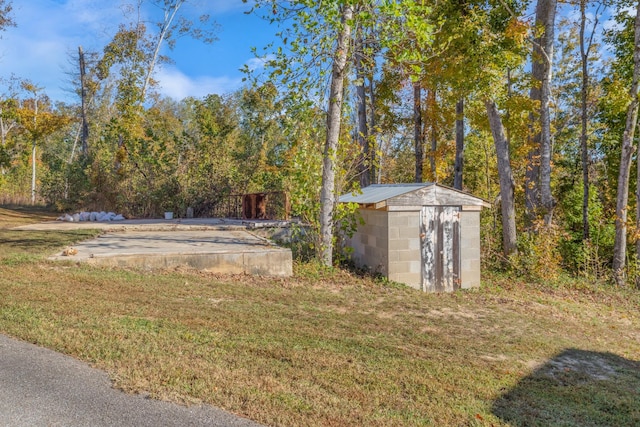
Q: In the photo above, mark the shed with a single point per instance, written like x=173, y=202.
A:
x=425, y=235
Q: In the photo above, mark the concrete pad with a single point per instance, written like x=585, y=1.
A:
x=141, y=224
x=209, y=245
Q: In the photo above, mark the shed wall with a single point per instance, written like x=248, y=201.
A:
x=404, y=248
x=371, y=242
x=470, y=249
x=389, y=243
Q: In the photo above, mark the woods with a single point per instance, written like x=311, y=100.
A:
x=531, y=106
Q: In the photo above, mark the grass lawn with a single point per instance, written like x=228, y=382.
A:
x=330, y=348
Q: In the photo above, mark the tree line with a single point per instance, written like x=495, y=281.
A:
x=531, y=106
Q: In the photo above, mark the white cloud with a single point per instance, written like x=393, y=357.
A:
x=47, y=33
x=175, y=84
x=44, y=45
x=255, y=64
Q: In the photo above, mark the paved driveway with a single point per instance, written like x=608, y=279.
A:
x=39, y=387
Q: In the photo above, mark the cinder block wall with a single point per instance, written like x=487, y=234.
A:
x=389, y=243
x=470, y=249
x=371, y=242
x=404, y=248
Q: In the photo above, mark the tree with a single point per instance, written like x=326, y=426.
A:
x=586, y=42
x=539, y=199
x=128, y=63
x=360, y=60
x=507, y=185
x=172, y=26
x=8, y=121
x=334, y=120
x=407, y=35
x=627, y=150
x=264, y=144
x=318, y=37
x=84, y=101
x=134, y=52
x=459, y=164
x=6, y=20
x=418, y=135
x=38, y=125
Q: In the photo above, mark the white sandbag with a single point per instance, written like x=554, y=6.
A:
x=84, y=216
x=76, y=217
x=68, y=218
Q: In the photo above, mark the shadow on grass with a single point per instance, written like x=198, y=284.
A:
x=575, y=388
x=39, y=242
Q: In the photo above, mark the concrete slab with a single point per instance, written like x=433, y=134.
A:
x=222, y=246
x=141, y=224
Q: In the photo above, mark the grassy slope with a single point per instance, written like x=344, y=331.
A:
x=331, y=348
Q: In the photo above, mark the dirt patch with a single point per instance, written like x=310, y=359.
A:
x=591, y=365
x=494, y=357
x=455, y=314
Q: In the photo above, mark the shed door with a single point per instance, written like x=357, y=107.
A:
x=440, y=247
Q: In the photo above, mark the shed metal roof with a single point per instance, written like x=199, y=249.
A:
x=377, y=193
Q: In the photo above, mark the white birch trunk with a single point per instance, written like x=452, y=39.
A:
x=627, y=150
x=170, y=12
x=33, y=149
x=538, y=188
x=334, y=118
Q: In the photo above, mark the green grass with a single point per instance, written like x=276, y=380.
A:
x=331, y=348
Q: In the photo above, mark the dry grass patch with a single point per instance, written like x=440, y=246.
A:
x=16, y=216
x=331, y=348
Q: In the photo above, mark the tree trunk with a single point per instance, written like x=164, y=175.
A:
x=620, y=245
x=531, y=175
x=373, y=146
x=418, y=142
x=538, y=189
x=33, y=149
x=33, y=173
x=334, y=118
x=507, y=185
x=170, y=11
x=363, y=130
x=83, y=98
x=459, y=162
x=431, y=101
x=4, y=131
x=584, y=149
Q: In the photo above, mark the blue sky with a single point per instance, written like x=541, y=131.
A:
x=49, y=32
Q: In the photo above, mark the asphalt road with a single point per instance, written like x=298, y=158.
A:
x=39, y=387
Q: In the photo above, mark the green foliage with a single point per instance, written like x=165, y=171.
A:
x=148, y=154
x=5, y=158
x=15, y=184
x=539, y=258
x=588, y=258
x=348, y=219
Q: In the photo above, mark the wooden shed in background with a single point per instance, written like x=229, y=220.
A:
x=424, y=235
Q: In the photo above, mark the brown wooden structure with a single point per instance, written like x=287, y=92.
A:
x=272, y=205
